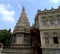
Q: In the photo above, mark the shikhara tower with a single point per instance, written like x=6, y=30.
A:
x=21, y=41
x=21, y=34
x=22, y=30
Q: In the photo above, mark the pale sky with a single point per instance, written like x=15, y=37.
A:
x=10, y=10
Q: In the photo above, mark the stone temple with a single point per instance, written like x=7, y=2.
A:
x=42, y=38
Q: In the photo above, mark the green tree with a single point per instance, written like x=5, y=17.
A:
x=5, y=37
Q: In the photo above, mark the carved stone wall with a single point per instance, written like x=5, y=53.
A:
x=47, y=38
x=50, y=51
x=48, y=22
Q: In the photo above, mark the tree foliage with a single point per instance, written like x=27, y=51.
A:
x=5, y=37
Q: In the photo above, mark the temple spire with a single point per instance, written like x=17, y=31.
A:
x=23, y=21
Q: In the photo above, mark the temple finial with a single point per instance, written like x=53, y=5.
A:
x=23, y=8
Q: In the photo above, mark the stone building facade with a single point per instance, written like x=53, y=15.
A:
x=48, y=22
